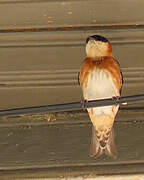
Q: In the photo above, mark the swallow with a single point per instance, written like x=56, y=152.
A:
x=100, y=78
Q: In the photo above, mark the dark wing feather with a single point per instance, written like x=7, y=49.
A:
x=79, y=78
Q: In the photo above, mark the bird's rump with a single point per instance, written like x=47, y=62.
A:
x=99, y=147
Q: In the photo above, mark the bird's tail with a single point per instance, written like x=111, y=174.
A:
x=97, y=147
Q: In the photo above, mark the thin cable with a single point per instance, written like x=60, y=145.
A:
x=122, y=101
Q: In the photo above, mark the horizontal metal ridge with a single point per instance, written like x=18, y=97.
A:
x=67, y=77
x=69, y=38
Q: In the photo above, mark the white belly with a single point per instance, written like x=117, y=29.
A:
x=100, y=86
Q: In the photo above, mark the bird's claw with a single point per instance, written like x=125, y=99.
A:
x=83, y=102
x=115, y=97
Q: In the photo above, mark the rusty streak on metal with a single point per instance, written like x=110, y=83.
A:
x=71, y=28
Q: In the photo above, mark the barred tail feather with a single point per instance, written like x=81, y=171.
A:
x=97, y=150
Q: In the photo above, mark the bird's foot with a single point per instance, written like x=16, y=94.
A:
x=83, y=102
x=115, y=98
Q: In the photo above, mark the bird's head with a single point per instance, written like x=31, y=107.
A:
x=98, y=46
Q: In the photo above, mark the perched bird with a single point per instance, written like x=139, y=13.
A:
x=100, y=77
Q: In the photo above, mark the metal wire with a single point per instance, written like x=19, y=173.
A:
x=122, y=101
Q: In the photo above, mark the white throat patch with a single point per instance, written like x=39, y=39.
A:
x=96, y=48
